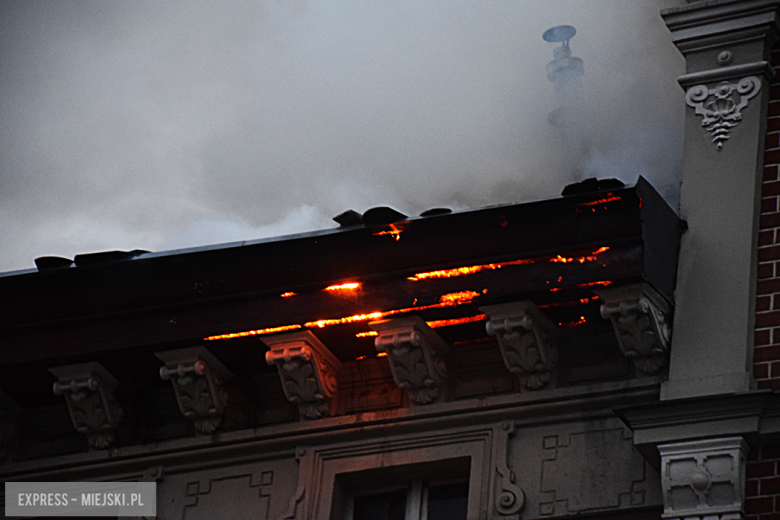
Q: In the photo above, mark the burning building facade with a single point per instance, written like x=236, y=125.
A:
x=594, y=354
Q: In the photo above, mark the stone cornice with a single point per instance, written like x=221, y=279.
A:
x=713, y=23
x=763, y=68
x=526, y=410
x=750, y=414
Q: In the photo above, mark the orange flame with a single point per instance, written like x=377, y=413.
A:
x=379, y=354
x=568, y=304
x=394, y=231
x=366, y=334
x=463, y=271
x=609, y=197
x=583, y=285
x=252, y=332
x=349, y=319
x=459, y=297
x=348, y=286
x=287, y=294
x=456, y=321
x=572, y=324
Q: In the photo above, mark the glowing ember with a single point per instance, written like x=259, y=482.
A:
x=382, y=354
x=583, y=285
x=609, y=197
x=460, y=297
x=340, y=321
x=287, y=294
x=394, y=231
x=349, y=286
x=457, y=321
x=252, y=332
x=572, y=324
x=463, y=271
x=366, y=334
x=568, y=304
x=360, y=358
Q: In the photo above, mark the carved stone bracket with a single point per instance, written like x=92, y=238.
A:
x=704, y=478
x=416, y=355
x=308, y=372
x=508, y=497
x=198, y=379
x=721, y=106
x=641, y=318
x=89, y=389
x=526, y=339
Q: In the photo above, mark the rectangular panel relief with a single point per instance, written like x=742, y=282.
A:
x=581, y=467
x=259, y=490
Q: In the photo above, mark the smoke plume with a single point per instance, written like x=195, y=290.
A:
x=157, y=125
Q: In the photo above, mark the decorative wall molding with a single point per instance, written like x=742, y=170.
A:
x=703, y=479
x=416, y=355
x=527, y=341
x=640, y=317
x=307, y=370
x=580, y=473
x=89, y=389
x=197, y=377
x=508, y=497
x=247, y=495
x=721, y=106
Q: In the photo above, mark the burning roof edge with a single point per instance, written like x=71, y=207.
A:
x=583, y=188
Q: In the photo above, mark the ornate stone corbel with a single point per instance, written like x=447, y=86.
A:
x=416, y=355
x=198, y=379
x=89, y=389
x=640, y=317
x=703, y=479
x=721, y=106
x=307, y=370
x=526, y=339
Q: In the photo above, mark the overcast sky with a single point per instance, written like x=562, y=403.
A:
x=166, y=124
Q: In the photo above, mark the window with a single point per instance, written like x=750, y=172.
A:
x=419, y=501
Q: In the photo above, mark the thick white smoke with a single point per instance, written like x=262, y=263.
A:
x=155, y=125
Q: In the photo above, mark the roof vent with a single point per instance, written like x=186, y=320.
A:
x=50, y=263
x=382, y=215
x=105, y=257
x=590, y=185
x=435, y=211
x=349, y=218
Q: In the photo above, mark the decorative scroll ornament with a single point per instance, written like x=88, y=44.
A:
x=416, y=355
x=719, y=108
x=508, y=497
x=307, y=370
x=89, y=392
x=198, y=379
x=526, y=339
x=639, y=316
x=703, y=479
